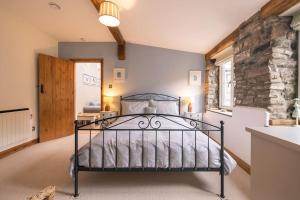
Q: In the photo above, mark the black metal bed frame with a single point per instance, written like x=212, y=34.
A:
x=150, y=96
x=148, y=122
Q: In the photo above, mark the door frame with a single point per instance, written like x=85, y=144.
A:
x=90, y=60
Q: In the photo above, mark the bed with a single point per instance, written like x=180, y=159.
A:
x=92, y=107
x=149, y=137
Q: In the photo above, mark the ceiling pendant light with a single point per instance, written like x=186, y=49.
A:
x=109, y=14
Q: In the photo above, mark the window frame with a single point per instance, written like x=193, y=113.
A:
x=219, y=64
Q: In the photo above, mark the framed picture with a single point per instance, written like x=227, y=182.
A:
x=195, y=78
x=90, y=80
x=119, y=75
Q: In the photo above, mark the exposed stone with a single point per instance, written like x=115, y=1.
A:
x=292, y=35
x=241, y=56
x=261, y=48
x=265, y=65
x=212, y=85
x=280, y=30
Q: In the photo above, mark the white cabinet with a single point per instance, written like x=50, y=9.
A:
x=85, y=118
x=275, y=163
x=107, y=114
x=192, y=115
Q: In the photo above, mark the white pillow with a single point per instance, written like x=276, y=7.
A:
x=150, y=110
x=165, y=107
x=134, y=107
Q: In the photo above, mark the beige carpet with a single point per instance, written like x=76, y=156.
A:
x=28, y=171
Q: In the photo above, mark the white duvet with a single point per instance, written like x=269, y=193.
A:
x=204, y=158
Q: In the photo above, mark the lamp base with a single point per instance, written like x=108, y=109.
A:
x=190, y=108
x=107, y=108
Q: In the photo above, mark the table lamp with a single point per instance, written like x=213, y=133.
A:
x=296, y=113
x=188, y=101
x=107, y=101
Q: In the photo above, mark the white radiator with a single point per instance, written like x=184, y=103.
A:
x=14, y=128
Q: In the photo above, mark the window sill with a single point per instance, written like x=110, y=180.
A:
x=226, y=113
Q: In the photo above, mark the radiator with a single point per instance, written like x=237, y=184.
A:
x=14, y=128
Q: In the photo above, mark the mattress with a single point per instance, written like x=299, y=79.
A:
x=207, y=152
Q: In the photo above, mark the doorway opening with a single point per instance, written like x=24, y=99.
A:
x=88, y=86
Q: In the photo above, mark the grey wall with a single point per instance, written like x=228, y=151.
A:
x=148, y=69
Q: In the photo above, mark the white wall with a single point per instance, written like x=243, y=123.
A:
x=20, y=44
x=86, y=93
x=237, y=140
x=148, y=69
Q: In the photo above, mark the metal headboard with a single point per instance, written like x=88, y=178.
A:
x=148, y=97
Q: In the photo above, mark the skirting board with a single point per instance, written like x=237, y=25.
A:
x=245, y=166
x=17, y=148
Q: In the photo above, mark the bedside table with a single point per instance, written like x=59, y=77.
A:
x=193, y=115
x=85, y=118
x=108, y=114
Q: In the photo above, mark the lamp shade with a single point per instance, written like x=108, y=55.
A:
x=187, y=100
x=109, y=14
x=108, y=99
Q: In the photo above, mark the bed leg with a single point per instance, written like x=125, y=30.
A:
x=76, y=194
x=222, y=160
x=222, y=186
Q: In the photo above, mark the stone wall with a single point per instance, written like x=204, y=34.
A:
x=265, y=65
x=212, y=85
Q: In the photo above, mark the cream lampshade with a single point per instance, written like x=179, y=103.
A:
x=109, y=14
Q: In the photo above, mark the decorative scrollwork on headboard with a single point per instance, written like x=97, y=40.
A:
x=148, y=97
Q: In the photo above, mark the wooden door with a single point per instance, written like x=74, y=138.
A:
x=56, y=98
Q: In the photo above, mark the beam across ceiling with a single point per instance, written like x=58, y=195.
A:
x=273, y=7
x=225, y=43
x=276, y=7
x=115, y=31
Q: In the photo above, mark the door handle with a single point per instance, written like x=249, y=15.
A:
x=42, y=88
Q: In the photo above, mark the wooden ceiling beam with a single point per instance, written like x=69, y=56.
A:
x=225, y=43
x=273, y=7
x=276, y=7
x=115, y=31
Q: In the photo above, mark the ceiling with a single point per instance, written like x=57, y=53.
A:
x=189, y=25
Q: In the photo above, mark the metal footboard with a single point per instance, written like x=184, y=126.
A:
x=149, y=123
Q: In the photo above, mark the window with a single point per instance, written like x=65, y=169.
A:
x=226, y=86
